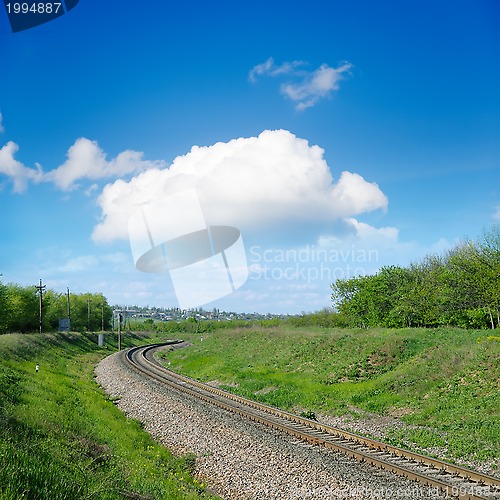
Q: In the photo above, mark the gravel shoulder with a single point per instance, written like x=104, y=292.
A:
x=243, y=460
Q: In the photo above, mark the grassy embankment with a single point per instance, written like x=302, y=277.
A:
x=62, y=438
x=445, y=382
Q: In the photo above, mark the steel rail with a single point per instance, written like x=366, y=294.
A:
x=455, y=480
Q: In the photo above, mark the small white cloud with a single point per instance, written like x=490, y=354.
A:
x=91, y=189
x=80, y=264
x=2, y=129
x=86, y=160
x=85, y=263
x=306, y=87
x=316, y=85
x=440, y=246
x=270, y=68
x=496, y=214
x=19, y=174
x=365, y=232
x=116, y=258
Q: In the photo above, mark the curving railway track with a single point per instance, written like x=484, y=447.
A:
x=451, y=479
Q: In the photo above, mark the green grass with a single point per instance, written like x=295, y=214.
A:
x=62, y=438
x=444, y=381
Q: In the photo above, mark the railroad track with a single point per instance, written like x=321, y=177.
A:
x=434, y=474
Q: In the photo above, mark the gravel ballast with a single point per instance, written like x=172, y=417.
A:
x=238, y=459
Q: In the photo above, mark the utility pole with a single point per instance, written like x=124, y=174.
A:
x=120, y=318
x=69, y=308
x=102, y=317
x=88, y=311
x=40, y=289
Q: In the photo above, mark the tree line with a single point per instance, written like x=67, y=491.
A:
x=458, y=288
x=20, y=310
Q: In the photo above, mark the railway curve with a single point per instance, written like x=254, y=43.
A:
x=451, y=479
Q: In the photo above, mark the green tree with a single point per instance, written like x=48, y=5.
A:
x=428, y=295
x=55, y=307
x=489, y=256
x=459, y=288
x=20, y=310
x=5, y=309
x=347, y=300
x=475, y=277
x=24, y=308
x=81, y=305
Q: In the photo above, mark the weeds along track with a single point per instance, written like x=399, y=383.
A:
x=451, y=479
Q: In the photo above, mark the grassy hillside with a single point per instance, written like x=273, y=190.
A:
x=445, y=382
x=61, y=437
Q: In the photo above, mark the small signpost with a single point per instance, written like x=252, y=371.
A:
x=63, y=325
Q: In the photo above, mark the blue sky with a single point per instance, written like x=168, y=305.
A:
x=102, y=107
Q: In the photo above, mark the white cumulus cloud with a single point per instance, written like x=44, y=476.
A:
x=304, y=88
x=19, y=174
x=251, y=183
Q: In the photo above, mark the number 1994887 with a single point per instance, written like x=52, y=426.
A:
x=33, y=8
